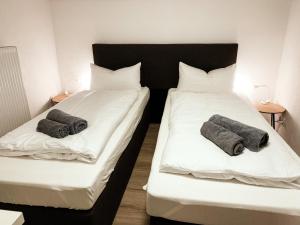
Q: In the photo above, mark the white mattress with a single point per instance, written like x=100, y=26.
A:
x=203, y=201
x=67, y=184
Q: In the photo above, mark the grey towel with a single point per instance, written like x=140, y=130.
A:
x=228, y=141
x=75, y=124
x=254, y=138
x=53, y=128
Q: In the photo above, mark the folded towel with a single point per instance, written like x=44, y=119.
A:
x=228, y=141
x=75, y=124
x=53, y=128
x=254, y=138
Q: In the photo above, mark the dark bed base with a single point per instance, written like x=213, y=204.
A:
x=106, y=206
x=161, y=221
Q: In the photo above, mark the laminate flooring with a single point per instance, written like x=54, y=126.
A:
x=132, y=210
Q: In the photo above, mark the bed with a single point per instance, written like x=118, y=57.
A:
x=183, y=199
x=74, y=192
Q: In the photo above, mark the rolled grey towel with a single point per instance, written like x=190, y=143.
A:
x=254, y=138
x=75, y=124
x=228, y=141
x=53, y=128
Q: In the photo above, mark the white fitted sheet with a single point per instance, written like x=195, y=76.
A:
x=67, y=184
x=188, y=199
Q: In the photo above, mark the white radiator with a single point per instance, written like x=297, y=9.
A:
x=14, y=109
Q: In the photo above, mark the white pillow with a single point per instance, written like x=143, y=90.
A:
x=193, y=79
x=223, y=79
x=124, y=78
x=197, y=80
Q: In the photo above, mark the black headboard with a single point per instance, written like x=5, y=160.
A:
x=159, y=70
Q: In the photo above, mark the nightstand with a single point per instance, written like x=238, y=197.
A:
x=58, y=98
x=270, y=108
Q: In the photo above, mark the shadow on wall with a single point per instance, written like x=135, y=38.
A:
x=45, y=107
x=286, y=128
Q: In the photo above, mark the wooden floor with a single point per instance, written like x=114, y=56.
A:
x=132, y=210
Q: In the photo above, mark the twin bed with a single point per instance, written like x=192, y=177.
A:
x=175, y=196
x=182, y=197
x=72, y=192
x=54, y=192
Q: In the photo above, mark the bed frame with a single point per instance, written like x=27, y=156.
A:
x=159, y=69
x=159, y=72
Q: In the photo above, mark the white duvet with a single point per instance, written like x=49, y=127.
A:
x=188, y=152
x=104, y=110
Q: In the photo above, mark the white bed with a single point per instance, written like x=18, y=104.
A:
x=206, y=201
x=67, y=184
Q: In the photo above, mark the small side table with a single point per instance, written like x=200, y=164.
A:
x=270, y=108
x=11, y=217
x=58, y=98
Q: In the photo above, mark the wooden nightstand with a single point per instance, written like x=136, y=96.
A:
x=270, y=108
x=58, y=98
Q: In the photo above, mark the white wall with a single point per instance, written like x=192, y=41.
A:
x=288, y=85
x=258, y=26
x=28, y=25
